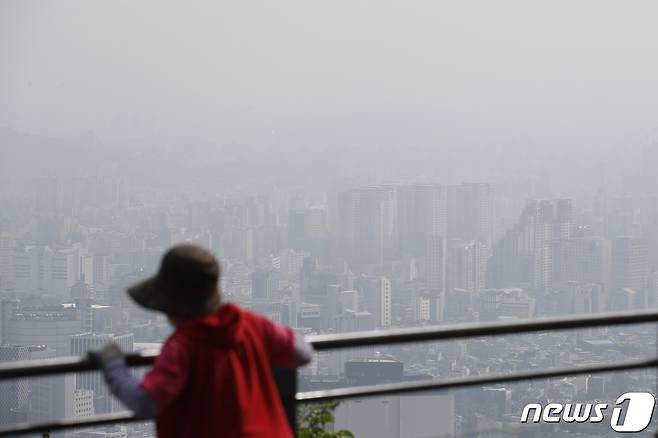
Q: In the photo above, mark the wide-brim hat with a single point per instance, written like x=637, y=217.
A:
x=187, y=277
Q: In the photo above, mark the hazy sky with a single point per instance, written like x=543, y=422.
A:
x=585, y=69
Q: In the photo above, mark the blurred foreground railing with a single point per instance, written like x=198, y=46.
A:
x=286, y=379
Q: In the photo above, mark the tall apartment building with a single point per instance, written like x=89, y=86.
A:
x=366, y=225
x=470, y=212
x=530, y=253
x=467, y=265
x=307, y=228
x=421, y=213
x=588, y=260
x=629, y=264
x=6, y=261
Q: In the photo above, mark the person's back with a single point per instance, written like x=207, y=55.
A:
x=213, y=375
x=222, y=366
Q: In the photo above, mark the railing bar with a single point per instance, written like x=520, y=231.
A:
x=426, y=385
x=361, y=339
x=34, y=368
x=358, y=392
x=394, y=336
x=96, y=420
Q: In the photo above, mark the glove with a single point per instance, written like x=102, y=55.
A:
x=106, y=354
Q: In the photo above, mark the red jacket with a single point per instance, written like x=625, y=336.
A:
x=213, y=378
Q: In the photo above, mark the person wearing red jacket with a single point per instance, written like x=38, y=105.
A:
x=213, y=375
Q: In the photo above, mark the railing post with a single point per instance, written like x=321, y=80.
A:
x=286, y=382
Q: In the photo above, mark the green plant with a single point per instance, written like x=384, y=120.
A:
x=313, y=419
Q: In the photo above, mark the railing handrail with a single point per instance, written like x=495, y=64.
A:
x=32, y=368
x=468, y=330
x=464, y=382
x=35, y=368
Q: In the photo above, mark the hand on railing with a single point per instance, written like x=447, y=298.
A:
x=106, y=354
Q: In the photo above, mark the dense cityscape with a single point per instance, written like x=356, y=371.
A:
x=378, y=256
x=359, y=169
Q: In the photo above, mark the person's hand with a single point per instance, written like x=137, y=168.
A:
x=106, y=354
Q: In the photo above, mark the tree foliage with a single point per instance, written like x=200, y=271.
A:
x=314, y=418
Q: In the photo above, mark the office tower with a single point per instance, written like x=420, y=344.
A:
x=530, y=252
x=408, y=416
x=94, y=268
x=470, y=212
x=652, y=290
x=376, y=298
x=14, y=393
x=316, y=286
x=292, y=262
x=64, y=271
x=32, y=269
x=6, y=261
x=45, y=325
x=466, y=265
x=80, y=345
x=349, y=300
x=629, y=264
x=264, y=284
x=40, y=270
x=307, y=229
x=366, y=221
x=55, y=397
x=588, y=260
x=421, y=214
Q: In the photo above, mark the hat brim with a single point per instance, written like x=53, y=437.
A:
x=149, y=294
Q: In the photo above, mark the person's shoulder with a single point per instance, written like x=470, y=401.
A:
x=244, y=314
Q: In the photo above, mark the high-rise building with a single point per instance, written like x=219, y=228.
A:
x=529, y=253
x=366, y=225
x=264, y=284
x=14, y=393
x=470, y=212
x=376, y=298
x=435, y=270
x=466, y=265
x=421, y=213
x=80, y=345
x=588, y=260
x=629, y=264
x=55, y=397
x=6, y=261
x=40, y=270
x=307, y=229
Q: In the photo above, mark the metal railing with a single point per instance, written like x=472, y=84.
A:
x=286, y=379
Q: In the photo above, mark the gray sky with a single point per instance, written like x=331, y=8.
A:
x=583, y=69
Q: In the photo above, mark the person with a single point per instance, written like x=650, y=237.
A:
x=213, y=375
